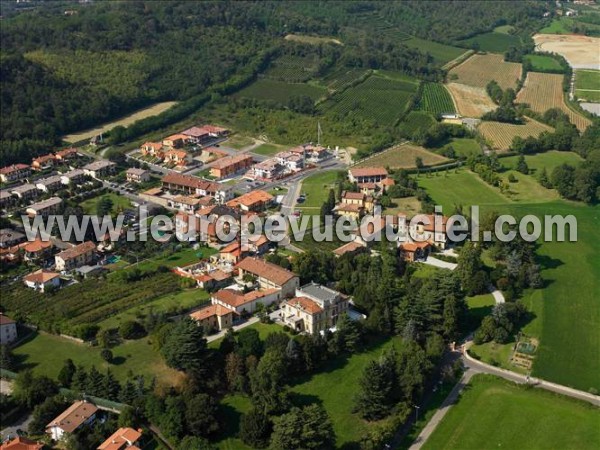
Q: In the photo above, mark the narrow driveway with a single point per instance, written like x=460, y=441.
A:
x=219, y=335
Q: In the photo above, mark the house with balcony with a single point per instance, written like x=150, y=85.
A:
x=231, y=165
x=100, y=169
x=49, y=184
x=71, y=177
x=74, y=257
x=367, y=174
x=154, y=149
x=25, y=192
x=14, y=172
x=269, y=275
x=43, y=162
x=76, y=416
x=52, y=205
x=134, y=175
x=41, y=280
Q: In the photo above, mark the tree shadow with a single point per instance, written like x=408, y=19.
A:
x=118, y=360
x=304, y=399
x=547, y=262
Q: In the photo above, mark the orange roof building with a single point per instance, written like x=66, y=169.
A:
x=121, y=439
x=231, y=165
x=21, y=443
x=269, y=275
x=257, y=201
x=78, y=414
x=367, y=174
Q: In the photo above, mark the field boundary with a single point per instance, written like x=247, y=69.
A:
x=457, y=61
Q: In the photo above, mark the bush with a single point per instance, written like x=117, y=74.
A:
x=106, y=355
x=132, y=330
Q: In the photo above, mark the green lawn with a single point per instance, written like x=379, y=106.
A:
x=119, y=203
x=548, y=160
x=264, y=329
x=465, y=147
x=46, y=353
x=493, y=413
x=527, y=189
x=587, y=84
x=169, y=304
x=441, y=53
x=267, y=149
x=543, y=63
x=316, y=188
x=479, y=307
x=232, y=407
x=557, y=26
x=238, y=141
x=492, y=42
x=181, y=258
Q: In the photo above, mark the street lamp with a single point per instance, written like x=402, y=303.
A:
x=417, y=412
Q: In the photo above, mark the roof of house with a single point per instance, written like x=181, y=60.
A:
x=76, y=251
x=74, y=416
x=388, y=182
x=349, y=195
x=121, y=438
x=136, y=171
x=66, y=152
x=368, y=185
x=36, y=246
x=54, y=179
x=236, y=299
x=251, y=198
x=9, y=169
x=98, y=165
x=186, y=200
x=5, y=194
x=305, y=304
x=42, y=159
x=214, y=129
x=209, y=311
x=319, y=292
x=10, y=235
x=21, y=443
x=181, y=154
x=368, y=171
x=154, y=145
x=428, y=221
x=24, y=188
x=347, y=207
x=272, y=272
x=191, y=182
x=219, y=211
x=195, y=132
x=413, y=246
x=48, y=203
x=177, y=136
x=41, y=276
x=73, y=173
x=346, y=248
x=231, y=160
x=5, y=320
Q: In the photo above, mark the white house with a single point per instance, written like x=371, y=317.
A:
x=78, y=414
x=41, y=279
x=8, y=330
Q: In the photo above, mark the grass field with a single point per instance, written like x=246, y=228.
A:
x=587, y=85
x=548, y=160
x=316, y=189
x=557, y=26
x=264, y=329
x=280, y=91
x=182, y=257
x=144, y=113
x=410, y=205
x=441, y=53
x=470, y=101
x=238, y=141
x=500, y=135
x=479, y=70
x=119, y=203
x=493, y=413
x=543, y=91
x=543, y=63
x=495, y=42
x=381, y=99
x=465, y=147
x=580, y=51
x=479, y=307
x=403, y=157
x=46, y=353
x=527, y=189
x=436, y=99
x=268, y=149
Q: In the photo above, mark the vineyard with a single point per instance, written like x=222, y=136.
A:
x=278, y=91
x=435, y=99
x=403, y=157
x=479, y=70
x=342, y=77
x=415, y=121
x=381, y=100
x=501, y=135
x=87, y=302
x=292, y=68
x=470, y=101
x=543, y=91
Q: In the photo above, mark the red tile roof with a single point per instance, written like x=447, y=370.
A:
x=190, y=181
x=209, y=311
x=231, y=160
x=37, y=246
x=353, y=195
x=236, y=299
x=346, y=248
x=251, y=198
x=21, y=443
x=74, y=416
x=78, y=250
x=41, y=276
x=261, y=268
x=368, y=171
x=305, y=304
x=10, y=169
x=414, y=246
x=122, y=438
x=5, y=320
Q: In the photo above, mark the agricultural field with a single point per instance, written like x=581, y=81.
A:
x=479, y=70
x=342, y=77
x=279, y=91
x=543, y=91
x=580, y=51
x=403, y=157
x=492, y=42
x=416, y=121
x=470, y=101
x=140, y=114
x=441, y=53
x=543, y=63
x=435, y=99
x=587, y=85
x=381, y=100
x=495, y=413
x=292, y=68
x=500, y=135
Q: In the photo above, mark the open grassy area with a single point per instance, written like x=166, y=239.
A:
x=527, y=189
x=410, y=205
x=316, y=189
x=183, y=257
x=46, y=353
x=403, y=157
x=238, y=141
x=543, y=63
x=465, y=147
x=492, y=42
x=557, y=26
x=441, y=53
x=264, y=329
x=549, y=160
x=119, y=203
x=267, y=149
x=493, y=413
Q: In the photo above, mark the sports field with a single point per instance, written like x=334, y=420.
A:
x=479, y=70
x=500, y=135
x=493, y=413
x=403, y=157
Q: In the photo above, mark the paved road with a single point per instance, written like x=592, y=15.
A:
x=247, y=323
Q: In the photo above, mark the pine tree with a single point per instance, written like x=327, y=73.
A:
x=95, y=383
x=112, y=388
x=185, y=348
x=80, y=380
x=375, y=398
x=65, y=376
x=522, y=165
x=255, y=428
x=128, y=393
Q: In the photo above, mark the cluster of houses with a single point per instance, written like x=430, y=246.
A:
x=171, y=150
x=287, y=162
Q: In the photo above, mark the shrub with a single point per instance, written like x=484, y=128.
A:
x=132, y=330
x=106, y=355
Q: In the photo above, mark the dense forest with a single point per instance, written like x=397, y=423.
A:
x=65, y=72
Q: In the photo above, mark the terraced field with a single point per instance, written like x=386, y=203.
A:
x=479, y=70
x=543, y=91
x=379, y=99
x=403, y=157
x=342, y=77
x=470, y=101
x=435, y=99
x=501, y=135
x=292, y=68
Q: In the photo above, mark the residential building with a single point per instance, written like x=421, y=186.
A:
x=414, y=251
x=44, y=208
x=6, y=199
x=354, y=204
x=37, y=250
x=430, y=228
x=135, y=175
x=269, y=169
x=79, y=414
x=215, y=131
x=41, y=279
x=8, y=330
x=191, y=185
x=153, y=149
x=49, y=184
x=256, y=201
x=292, y=161
x=25, y=192
x=315, y=308
x=67, y=154
x=15, y=172
x=43, y=162
x=215, y=317
x=350, y=247
x=77, y=256
x=99, y=169
x=197, y=135
x=73, y=176
x=21, y=443
x=367, y=174
x=184, y=203
x=175, y=141
x=231, y=165
x=10, y=237
x=241, y=303
x=177, y=157
x=269, y=275
x=122, y=439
